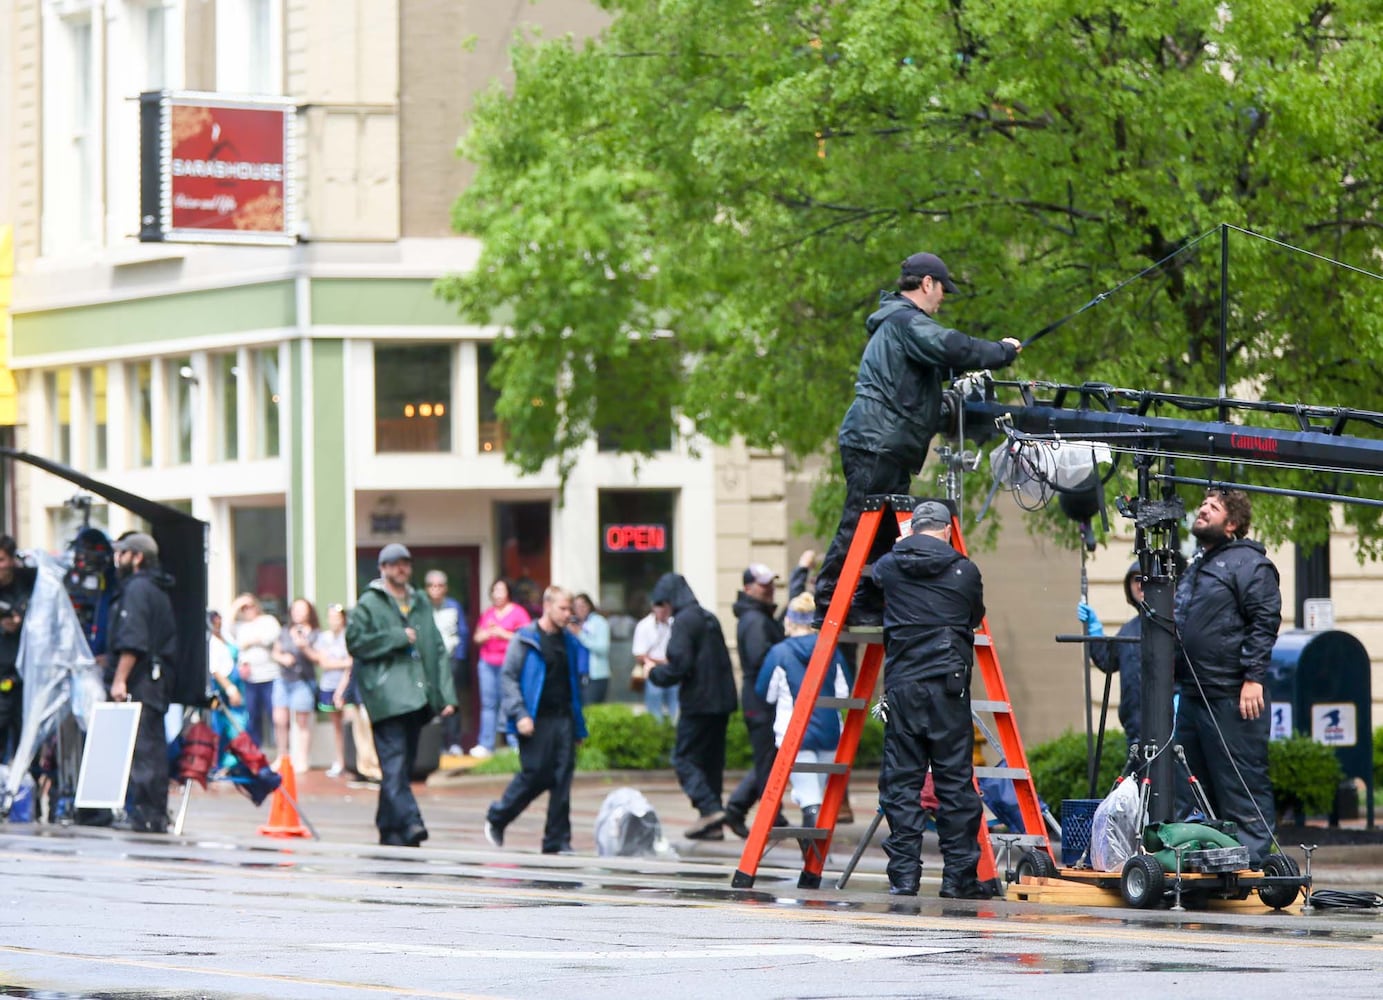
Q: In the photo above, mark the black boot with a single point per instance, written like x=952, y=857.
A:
x=809, y=814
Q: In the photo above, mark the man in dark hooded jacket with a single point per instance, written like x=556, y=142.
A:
x=1228, y=611
x=888, y=429
x=756, y=632
x=698, y=659
x=933, y=600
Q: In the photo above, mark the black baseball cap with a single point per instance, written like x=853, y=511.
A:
x=930, y=265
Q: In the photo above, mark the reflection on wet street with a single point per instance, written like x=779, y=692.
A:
x=103, y=915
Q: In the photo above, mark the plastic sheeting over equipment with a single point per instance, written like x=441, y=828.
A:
x=627, y=826
x=60, y=676
x=1118, y=824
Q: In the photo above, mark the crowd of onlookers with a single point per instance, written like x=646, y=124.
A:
x=275, y=678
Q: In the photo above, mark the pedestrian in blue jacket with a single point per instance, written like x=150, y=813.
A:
x=540, y=696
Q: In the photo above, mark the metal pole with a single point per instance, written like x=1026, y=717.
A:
x=1224, y=320
x=1085, y=661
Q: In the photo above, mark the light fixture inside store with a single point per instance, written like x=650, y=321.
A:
x=187, y=374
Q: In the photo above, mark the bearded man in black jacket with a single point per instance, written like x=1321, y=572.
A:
x=1228, y=611
x=887, y=430
x=933, y=600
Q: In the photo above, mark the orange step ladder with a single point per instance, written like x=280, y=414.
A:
x=1003, y=733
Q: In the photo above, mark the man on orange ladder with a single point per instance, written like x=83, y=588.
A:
x=888, y=428
x=933, y=601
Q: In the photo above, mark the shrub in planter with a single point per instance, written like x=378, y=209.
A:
x=1305, y=775
x=1378, y=757
x=1061, y=770
x=739, y=755
x=627, y=741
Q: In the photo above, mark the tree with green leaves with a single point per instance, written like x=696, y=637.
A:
x=697, y=209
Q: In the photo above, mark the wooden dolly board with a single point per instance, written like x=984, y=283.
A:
x=1080, y=887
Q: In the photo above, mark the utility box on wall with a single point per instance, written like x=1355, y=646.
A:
x=1319, y=685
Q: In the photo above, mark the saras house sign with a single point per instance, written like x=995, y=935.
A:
x=216, y=171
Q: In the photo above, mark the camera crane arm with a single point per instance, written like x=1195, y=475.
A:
x=1121, y=418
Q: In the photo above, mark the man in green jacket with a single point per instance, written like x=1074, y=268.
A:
x=401, y=673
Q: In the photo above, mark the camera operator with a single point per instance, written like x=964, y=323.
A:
x=887, y=431
x=16, y=584
x=1228, y=610
x=934, y=598
x=143, y=640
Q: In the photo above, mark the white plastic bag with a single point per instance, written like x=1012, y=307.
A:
x=1116, y=828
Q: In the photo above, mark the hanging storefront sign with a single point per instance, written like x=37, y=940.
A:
x=214, y=170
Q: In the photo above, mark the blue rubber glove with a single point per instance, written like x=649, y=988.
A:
x=1089, y=619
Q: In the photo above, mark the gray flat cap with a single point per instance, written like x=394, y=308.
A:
x=394, y=552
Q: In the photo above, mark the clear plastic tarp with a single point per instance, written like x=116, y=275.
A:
x=60, y=676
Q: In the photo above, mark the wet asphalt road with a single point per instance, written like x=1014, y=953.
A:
x=97, y=913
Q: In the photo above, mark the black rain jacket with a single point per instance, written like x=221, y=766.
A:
x=1228, y=610
x=756, y=632
x=933, y=599
x=697, y=657
x=897, y=405
x=142, y=623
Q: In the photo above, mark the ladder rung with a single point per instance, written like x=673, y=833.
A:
x=838, y=703
x=861, y=636
x=799, y=832
x=1016, y=773
x=1000, y=707
x=819, y=767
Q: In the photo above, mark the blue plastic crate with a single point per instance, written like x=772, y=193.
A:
x=1077, y=817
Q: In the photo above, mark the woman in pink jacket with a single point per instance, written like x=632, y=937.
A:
x=496, y=627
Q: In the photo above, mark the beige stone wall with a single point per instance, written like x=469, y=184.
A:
x=349, y=136
x=456, y=51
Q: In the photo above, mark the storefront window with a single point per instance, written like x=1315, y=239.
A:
x=96, y=380
x=60, y=413
x=142, y=383
x=413, y=397
x=225, y=376
x=260, y=538
x=636, y=547
x=524, y=531
x=180, y=378
x=492, y=433
x=266, y=364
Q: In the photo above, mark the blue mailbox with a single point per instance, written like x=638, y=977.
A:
x=1319, y=685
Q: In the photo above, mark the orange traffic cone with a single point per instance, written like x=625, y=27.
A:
x=283, y=814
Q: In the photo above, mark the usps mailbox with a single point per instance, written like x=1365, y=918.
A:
x=1319, y=685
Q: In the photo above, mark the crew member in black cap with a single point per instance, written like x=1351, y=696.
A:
x=888, y=429
x=934, y=598
x=144, y=640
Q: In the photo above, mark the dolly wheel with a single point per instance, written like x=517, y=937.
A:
x=1035, y=863
x=1279, y=897
x=1143, y=882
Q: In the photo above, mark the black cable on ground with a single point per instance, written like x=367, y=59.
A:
x=1346, y=900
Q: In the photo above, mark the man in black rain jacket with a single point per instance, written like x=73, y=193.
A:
x=888, y=428
x=698, y=659
x=144, y=641
x=756, y=632
x=1228, y=611
x=933, y=600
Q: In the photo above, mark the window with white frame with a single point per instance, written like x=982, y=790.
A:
x=91, y=386
x=181, y=382
x=249, y=46
x=265, y=362
x=59, y=393
x=156, y=42
x=71, y=125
